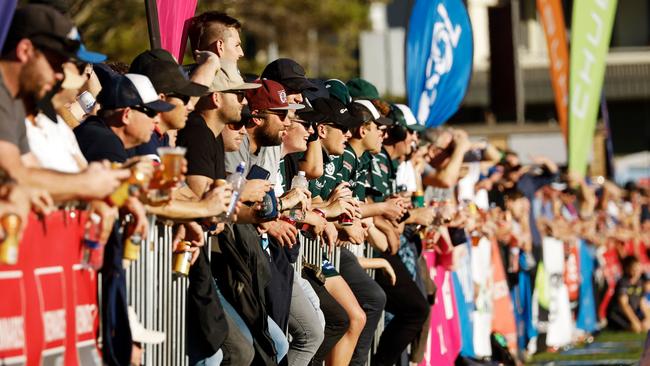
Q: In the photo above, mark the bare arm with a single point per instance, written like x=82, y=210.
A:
x=199, y=184
x=312, y=164
x=94, y=182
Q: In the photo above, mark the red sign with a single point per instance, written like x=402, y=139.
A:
x=51, y=315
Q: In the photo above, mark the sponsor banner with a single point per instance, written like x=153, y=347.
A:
x=439, y=53
x=464, y=291
x=484, y=287
x=552, y=19
x=572, y=272
x=54, y=302
x=586, y=320
x=444, y=341
x=560, y=321
x=172, y=15
x=591, y=29
x=503, y=320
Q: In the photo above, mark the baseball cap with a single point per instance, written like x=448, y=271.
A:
x=270, y=95
x=228, y=78
x=363, y=89
x=377, y=117
x=130, y=90
x=336, y=112
x=319, y=92
x=166, y=76
x=309, y=114
x=337, y=89
x=83, y=54
x=49, y=29
x=141, y=334
x=288, y=73
x=408, y=117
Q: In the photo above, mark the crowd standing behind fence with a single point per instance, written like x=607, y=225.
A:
x=283, y=220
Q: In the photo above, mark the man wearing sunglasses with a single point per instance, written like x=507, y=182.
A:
x=39, y=42
x=173, y=87
x=220, y=108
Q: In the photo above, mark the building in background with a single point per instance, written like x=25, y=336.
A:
x=510, y=99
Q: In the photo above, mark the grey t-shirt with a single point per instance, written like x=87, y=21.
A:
x=12, y=120
x=268, y=158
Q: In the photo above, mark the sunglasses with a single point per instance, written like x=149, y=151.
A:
x=239, y=93
x=184, y=98
x=338, y=127
x=237, y=126
x=304, y=123
x=281, y=114
x=146, y=110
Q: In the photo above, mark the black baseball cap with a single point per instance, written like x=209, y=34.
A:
x=165, y=74
x=46, y=27
x=336, y=112
x=130, y=90
x=309, y=114
x=288, y=73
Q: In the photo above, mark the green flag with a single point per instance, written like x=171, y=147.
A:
x=591, y=30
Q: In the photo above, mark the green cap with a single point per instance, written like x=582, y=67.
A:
x=360, y=88
x=406, y=118
x=338, y=90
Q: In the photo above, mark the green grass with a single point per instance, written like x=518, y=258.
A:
x=633, y=353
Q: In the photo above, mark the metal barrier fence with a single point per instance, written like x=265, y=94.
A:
x=158, y=297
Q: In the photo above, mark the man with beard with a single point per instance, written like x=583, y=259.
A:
x=39, y=42
x=214, y=334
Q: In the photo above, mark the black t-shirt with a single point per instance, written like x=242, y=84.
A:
x=205, y=152
x=634, y=294
x=98, y=142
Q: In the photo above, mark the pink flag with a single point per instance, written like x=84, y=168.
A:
x=444, y=335
x=172, y=15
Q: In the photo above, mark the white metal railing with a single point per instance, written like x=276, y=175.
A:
x=158, y=297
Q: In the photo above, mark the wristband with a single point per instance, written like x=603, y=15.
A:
x=319, y=212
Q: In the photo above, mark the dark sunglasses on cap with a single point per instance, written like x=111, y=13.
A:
x=146, y=110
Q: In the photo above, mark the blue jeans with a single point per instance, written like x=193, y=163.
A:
x=214, y=360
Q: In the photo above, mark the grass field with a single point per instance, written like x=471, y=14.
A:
x=630, y=350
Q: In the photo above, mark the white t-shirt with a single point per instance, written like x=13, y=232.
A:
x=54, y=145
x=406, y=176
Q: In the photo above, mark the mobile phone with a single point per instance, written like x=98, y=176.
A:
x=474, y=155
x=257, y=172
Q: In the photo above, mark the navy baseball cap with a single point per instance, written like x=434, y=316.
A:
x=289, y=73
x=130, y=90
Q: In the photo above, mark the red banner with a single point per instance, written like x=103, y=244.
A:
x=51, y=316
x=552, y=18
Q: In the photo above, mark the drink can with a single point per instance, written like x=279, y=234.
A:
x=418, y=199
x=132, y=247
x=86, y=101
x=182, y=260
x=9, y=246
x=345, y=220
x=288, y=219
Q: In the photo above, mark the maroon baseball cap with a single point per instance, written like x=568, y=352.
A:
x=270, y=96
